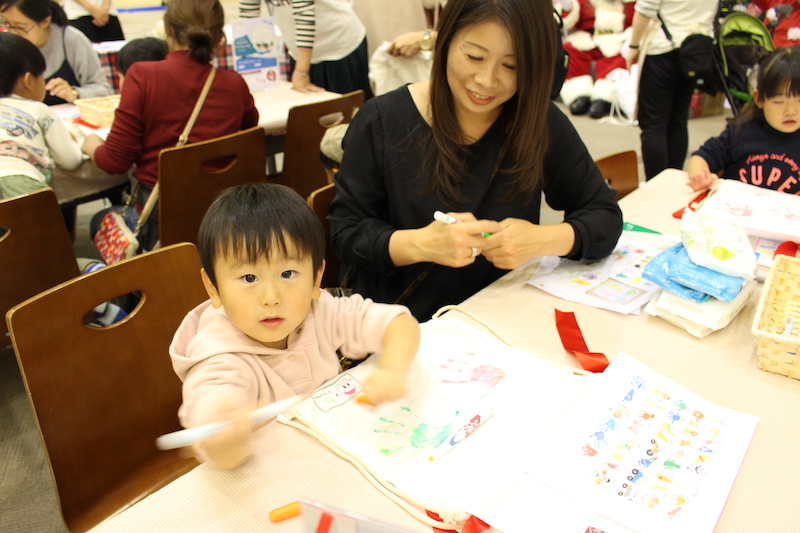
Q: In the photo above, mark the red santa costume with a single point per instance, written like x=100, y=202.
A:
x=598, y=29
x=786, y=28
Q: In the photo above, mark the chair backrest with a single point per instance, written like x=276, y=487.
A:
x=320, y=200
x=193, y=175
x=35, y=249
x=621, y=172
x=102, y=396
x=302, y=168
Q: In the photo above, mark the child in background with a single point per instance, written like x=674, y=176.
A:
x=142, y=49
x=268, y=332
x=331, y=151
x=33, y=140
x=761, y=146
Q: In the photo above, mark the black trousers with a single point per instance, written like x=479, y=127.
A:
x=665, y=94
x=112, y=31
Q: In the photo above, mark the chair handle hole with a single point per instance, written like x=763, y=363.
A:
x=220, y=164
x=114, y=312
x=332, y=119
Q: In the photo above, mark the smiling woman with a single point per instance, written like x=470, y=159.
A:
x=480, y=140
x=73, y=67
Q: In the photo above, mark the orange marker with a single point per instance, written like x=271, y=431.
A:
x=287, y=511
x=363, y=399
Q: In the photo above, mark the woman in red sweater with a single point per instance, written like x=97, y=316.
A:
x=159, y=97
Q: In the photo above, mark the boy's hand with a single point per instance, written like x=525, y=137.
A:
x=400, y=345
x=702, y=180
x=233, y=445
x=385, y=386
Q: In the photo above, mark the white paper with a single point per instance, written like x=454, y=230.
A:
x=647, y=453
x=614, y=283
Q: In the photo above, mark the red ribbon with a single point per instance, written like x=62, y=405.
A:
x=572, y=339
x=472, y=525
x=693, y=205
x=786, y=248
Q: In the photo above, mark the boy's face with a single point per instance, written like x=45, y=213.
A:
x=265, y=300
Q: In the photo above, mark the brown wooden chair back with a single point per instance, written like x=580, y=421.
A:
x=320, y=200
x=102, y=396
x=305, y=127
x=35, y=249
x=191, y=177
x=621, y=172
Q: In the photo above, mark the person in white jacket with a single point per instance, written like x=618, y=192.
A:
x=33, y=140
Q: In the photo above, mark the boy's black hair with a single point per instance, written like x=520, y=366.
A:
x=255, y=217
x=142, y=49
x=18, y=56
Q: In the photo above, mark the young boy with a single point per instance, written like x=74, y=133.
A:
x=142, y=49
x=33, y=140
x=268, y=332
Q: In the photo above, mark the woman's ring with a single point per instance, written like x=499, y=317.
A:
x=474, y=252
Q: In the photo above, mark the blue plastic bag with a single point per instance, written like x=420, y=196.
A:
x=658, y=271
x=689, y=274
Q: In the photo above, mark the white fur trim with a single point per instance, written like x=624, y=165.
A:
x=575, y=87
x=605, y=22
x=793, y=34
x=603, y=90
x=572, y=17
x=581, y=40
x=610, y=44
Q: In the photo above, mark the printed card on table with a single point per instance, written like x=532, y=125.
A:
x=614, y=283
x=256, y=52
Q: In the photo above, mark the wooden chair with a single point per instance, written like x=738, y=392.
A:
x=194, y=174
x=102, y=396
x=35, y=249
x=320, y=200
x=621, y=171
x=302, y=169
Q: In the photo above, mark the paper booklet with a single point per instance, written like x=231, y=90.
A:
x=614, y=283
x=521, y=468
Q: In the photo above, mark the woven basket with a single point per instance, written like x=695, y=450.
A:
x=98, y=111
x=780, y=299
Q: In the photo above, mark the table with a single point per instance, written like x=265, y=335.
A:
x=722, y=368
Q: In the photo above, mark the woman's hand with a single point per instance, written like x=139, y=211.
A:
x=301, y=82
x=91, y=143
x=406, y=45
x=453, y=245
x=520, y=240
x=60, y=88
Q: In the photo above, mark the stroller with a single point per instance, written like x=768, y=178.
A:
x=742, y=41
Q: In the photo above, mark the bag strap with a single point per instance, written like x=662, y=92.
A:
x=666, y=31
x=182, y=140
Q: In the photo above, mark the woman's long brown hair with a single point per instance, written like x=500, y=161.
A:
x=532, y=28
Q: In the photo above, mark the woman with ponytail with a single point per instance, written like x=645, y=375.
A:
x=73, y=67
x=159, y=97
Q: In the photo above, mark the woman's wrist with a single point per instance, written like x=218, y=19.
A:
x=300, y=73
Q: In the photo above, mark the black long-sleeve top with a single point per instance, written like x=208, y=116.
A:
x=381, y=187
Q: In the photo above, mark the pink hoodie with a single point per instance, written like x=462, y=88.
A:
x=215, y=360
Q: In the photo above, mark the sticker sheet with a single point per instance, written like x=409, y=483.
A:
x=648, y=453
x=614, y=283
